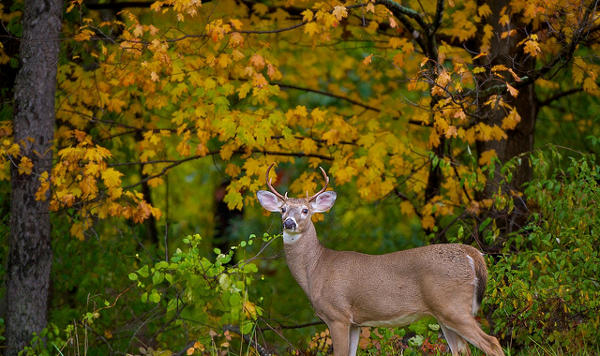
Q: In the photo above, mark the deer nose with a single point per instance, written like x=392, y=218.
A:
x=289, y=224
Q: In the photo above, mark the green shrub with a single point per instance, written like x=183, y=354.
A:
x=544, y=289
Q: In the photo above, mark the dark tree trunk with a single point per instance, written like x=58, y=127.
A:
x=505, y=51
x=30, y=254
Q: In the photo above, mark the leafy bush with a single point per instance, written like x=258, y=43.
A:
x=545, y=286
x=194, y=305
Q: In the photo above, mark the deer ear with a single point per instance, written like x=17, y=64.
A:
x=323, y=202
x=269, y=201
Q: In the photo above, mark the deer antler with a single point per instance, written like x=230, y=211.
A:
x=323, y=189
x=271, y=187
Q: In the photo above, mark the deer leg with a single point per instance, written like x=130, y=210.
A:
x=468, y=328
x=458, y=345
x=340, y=337
x=354, y=337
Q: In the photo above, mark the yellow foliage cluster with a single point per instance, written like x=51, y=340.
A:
x=249, y=86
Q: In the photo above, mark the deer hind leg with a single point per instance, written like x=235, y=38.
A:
x=458, y=345
x=340, y=337
x=468, y=328
x=354, y=337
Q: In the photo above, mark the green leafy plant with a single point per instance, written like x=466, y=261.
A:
x=544, y=287
x=209, y=298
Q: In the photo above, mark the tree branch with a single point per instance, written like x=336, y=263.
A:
x=399, y=10
x=557, y=96
x=352, y=101
x=175, y=163
x=439, y=12
x=118, y=6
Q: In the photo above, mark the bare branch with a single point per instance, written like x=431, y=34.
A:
x=261, y=350
x=352, y=101
x=439, y=12
x=557, y=96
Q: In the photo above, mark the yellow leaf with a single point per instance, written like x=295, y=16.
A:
x=532, y=48
x=111, y=177
x=84, y=35
x=332, y=136
x=307, y=15
x=367, y=59
x=482, y=54
x=578, y=69
x=260, y=9
x=406, y=208
x=498, y=68
x=236, y=24
x=223, y=60
x=77, y=230
x=511, y=121
x=428, y=222
x=308, y=145
x=478, y=70
x=40, y=195
x=257, y=61
x=340, y=12
x=155, y=182
x=395, y=42
x=311, y=29
x=250, y=309
x=25, y=166
x=443, y=79
x=451, y=131
x=514, y=92
x=590, y=86
x=434, y=139
x=514, y=75
x=484, y=10
x=486, y=157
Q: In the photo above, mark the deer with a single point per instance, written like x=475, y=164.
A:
x=349, y=290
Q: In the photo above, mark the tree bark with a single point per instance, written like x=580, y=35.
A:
x=520, y=140
x=30, y=253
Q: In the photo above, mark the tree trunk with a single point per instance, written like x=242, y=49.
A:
x=505, y=51
x=30, y=253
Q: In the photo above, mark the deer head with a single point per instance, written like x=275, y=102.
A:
x=296, y=212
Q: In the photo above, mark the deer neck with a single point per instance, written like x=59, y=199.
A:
x=302, y=252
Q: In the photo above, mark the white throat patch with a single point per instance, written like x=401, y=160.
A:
x=290, y=237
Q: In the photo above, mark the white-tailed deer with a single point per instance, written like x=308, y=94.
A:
x=349, y=289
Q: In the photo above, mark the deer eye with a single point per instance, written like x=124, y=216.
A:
x=283, y=209
x=304, y=211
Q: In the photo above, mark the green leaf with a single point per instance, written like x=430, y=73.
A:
x=157, y=278
x=484, y=224
x=247, y=327
x=144, y=271
x=154, y=296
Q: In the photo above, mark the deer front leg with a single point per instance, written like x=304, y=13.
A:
x=340, y=337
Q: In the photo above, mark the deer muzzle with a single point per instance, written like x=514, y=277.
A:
x=289, y=224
